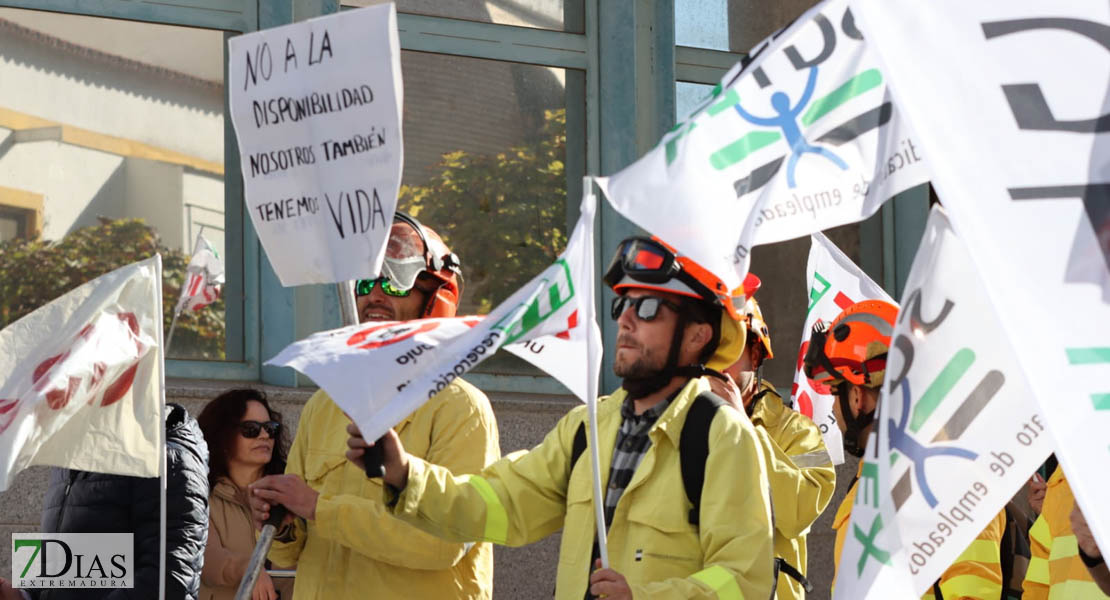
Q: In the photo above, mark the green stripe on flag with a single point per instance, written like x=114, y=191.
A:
x=741, y=148
x=868, y=80
x=1101, y=401
x=1088, y=356
x=931, y=399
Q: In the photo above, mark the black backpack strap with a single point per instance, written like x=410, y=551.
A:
x=781, y=566
x=577, y=447
x=693, y=448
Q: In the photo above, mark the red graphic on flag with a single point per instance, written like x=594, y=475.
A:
x=842, y=301
x=572, y=322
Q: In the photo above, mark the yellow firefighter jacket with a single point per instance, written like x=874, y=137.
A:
x=529, y=495
x=1055, y=570
x=802, y=480
x=354, y=548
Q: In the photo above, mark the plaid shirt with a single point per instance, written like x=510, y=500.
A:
x=632, y=443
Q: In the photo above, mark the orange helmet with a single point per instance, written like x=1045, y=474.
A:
x=414, y=249
x=651, y=264
x=654, y=265
x=854, y=347
x=754, y=316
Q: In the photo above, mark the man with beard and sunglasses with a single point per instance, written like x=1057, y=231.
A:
x=676, y=324
x=338, y=532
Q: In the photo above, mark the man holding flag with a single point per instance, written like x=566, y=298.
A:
x=676, y=323
x=339, y=533
x=850, y=356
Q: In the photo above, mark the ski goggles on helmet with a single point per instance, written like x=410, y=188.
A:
x=363, y=287
x=252, y=429
x=646, y=307
x=409, y=253
x=645, y=263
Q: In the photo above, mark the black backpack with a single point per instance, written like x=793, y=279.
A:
x=693, y=451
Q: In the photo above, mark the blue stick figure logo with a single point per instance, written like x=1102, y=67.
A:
x=787, y=121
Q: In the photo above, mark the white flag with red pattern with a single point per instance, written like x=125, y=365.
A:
x=203, y=277
x=82, y=378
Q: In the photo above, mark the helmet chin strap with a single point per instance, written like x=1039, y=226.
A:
x=854, y=425
x=639, y=387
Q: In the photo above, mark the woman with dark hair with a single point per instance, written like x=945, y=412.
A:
x=246, y=440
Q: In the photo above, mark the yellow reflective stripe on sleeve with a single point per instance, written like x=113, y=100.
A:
x=1072, y=589
x=1064, y=546
x=1040, y=532
x=970, y=586
x=720, y=581
x=497, y=520
x=817, y=458
x=1037, y=571
x=981, y=551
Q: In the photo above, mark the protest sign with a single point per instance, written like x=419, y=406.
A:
x=317, y=112
x=1019, y=158
x=81, y=379
x=963, y=430
x=378, y=373
x=799, y=137
x=835, y=283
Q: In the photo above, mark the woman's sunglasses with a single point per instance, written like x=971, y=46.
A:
x=251, y=429
x=363, y=287
x=647, y=307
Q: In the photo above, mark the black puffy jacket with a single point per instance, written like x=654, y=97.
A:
x=86, y=502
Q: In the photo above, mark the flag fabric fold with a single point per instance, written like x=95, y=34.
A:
x=960, y=431
x=204, y=275
x=82, y=379
x=1019, y=160
x=798, y=138
x=835, y=283
x=378, y=373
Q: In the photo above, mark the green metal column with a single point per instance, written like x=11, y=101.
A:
x=635, y=58
x=890, y=238
x=288, y=314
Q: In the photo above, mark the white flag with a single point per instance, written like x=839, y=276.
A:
x=962, y=426
x=1010, y=103
x=802, y=138
x=81, y=379
x=317, y=112
x=835, y=283
x=872, y=562
x=203, y=277
x=378, y=373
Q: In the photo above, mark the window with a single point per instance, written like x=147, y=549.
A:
x=111, y=149
x=559, y=15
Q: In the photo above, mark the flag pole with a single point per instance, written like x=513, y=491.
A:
x=162, y=434
x=588, y=198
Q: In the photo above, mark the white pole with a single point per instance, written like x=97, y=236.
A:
x=589, y=202
x=162, y=434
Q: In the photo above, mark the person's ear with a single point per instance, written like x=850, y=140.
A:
x=697, y=336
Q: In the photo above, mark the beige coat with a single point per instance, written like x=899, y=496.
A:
x=230, y=542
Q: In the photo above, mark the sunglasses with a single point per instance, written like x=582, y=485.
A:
x=363, y=287
x=647, y=307
x=251, y=429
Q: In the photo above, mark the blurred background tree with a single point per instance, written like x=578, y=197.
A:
x=34, y=272
x=503, y=214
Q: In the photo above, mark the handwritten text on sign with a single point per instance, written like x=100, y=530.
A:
x=317, y=113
